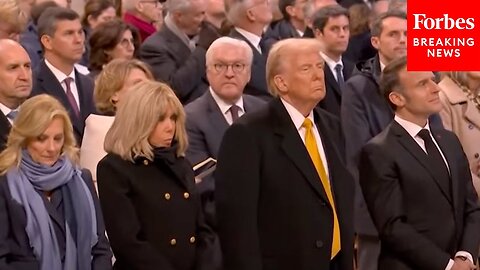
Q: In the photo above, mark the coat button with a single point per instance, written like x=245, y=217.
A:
x=319, y=244
x=476, y=155
x=145, y=162
x=167, y=196
x=192, y=239
x=186, y=195
x=173, y=242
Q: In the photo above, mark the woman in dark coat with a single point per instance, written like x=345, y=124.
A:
x=146, y=186
x=50, y=217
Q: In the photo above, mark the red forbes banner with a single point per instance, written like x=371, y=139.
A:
x=443, y=35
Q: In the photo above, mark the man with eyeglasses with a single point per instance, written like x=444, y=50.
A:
x=228, y=63
x=143, y=14
x=249, y=19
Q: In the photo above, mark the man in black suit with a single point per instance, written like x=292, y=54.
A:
x=364, y=114
x=62, y=38
x=15, y=83
x=176, y=53
x=417, y=183
x=283, y=195
x=331, y=27
x=249, y=19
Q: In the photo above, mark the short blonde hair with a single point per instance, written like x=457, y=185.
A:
x=11, y=14
x=137, y=116
x=281, y=53
x=34, y=117
x=111, y=80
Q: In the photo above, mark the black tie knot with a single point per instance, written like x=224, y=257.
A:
x=424, y=134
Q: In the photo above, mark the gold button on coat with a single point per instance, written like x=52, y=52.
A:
x=167, y=196
x=192, y=239
x=173, y=242
x=186, y=195
x=145, y=162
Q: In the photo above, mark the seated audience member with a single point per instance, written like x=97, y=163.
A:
x=215, y=13
x=176, y=53
x=146, y=176
x=461, y=114
x=29, y=38
x=51, y=218
x=360, y=47
x=11, y=21
x=112, y=40
x=56, y=75
x=15, y=84
x=117, y=78
x=143, y=15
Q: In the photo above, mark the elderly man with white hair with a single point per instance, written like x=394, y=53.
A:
x=228, y=65
x=143, y=14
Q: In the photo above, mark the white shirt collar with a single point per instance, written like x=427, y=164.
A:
x=382, y=66
x=6, y=110
x=252, y=38
x=412, y=128
x=296, y=116
x=59, y=74
x=330, y=62
x=300, y=33
x=224, y=106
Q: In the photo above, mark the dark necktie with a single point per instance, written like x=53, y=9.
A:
x=234, y=112
x=70, y=97
x=436, y=161
x=12, y=114
x=339, y=73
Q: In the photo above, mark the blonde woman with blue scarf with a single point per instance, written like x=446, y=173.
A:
x=49, y=213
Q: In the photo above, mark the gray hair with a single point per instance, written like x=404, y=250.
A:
x=230, y=41
x=235, y=8
x=177, y=5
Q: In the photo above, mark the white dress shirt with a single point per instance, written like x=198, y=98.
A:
x=61, y=77
x=332, y=64
x=413, y=130
x=298, y=119
x=5, y=110
x=252, y=38
x=225, y=107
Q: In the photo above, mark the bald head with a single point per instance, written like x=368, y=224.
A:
x=15, y=74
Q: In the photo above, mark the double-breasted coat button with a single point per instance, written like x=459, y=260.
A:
x=319, y=243
x=167, y=196
x=173, y=242
x=192, y=239
x=145, y=162
x=186, y=195
x=476, y=155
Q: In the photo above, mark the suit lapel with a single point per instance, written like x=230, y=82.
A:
x=294, y=148
x=216, y=117
x=471, y=114
x=415, y=150
x=330, y=79
x=178, y=48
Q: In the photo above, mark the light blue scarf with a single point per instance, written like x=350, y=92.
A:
x=80, y=219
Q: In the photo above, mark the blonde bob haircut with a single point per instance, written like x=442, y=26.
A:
x=281, y=54
x=111, y=80
x=34, y=117
x=137, y=116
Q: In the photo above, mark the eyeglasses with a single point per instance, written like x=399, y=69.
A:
x=127, y=42
x=236, y=67
x=155, y=3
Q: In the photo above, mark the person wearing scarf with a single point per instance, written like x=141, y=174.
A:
x=49, y=213
x=146, y=186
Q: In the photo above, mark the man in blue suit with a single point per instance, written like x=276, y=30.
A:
x=228, y=68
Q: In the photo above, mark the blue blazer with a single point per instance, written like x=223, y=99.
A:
x=15, y=250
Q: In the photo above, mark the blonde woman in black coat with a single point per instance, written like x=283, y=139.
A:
x=147, y=189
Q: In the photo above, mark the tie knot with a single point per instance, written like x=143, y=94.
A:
x=68, y=80
x=12, y=114
x=307, y=124
x=338, y=68
x=424, y=134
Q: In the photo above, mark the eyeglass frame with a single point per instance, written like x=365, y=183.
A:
x=236, y=68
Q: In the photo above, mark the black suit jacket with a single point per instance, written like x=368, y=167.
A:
x=419, y=226
x=257, y=86
x=273, y=213
x=333, y=96
x=45, y=82
x=15, y=250
x=4, y=130
x=172, y=62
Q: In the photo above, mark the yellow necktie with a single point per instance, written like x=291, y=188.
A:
x=312, y=149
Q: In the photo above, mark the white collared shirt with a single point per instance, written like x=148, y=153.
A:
x=332, y=64
x=298, y=119
x=252, y=38
x=225, y=107
x=61, y=77
x=6, y=110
